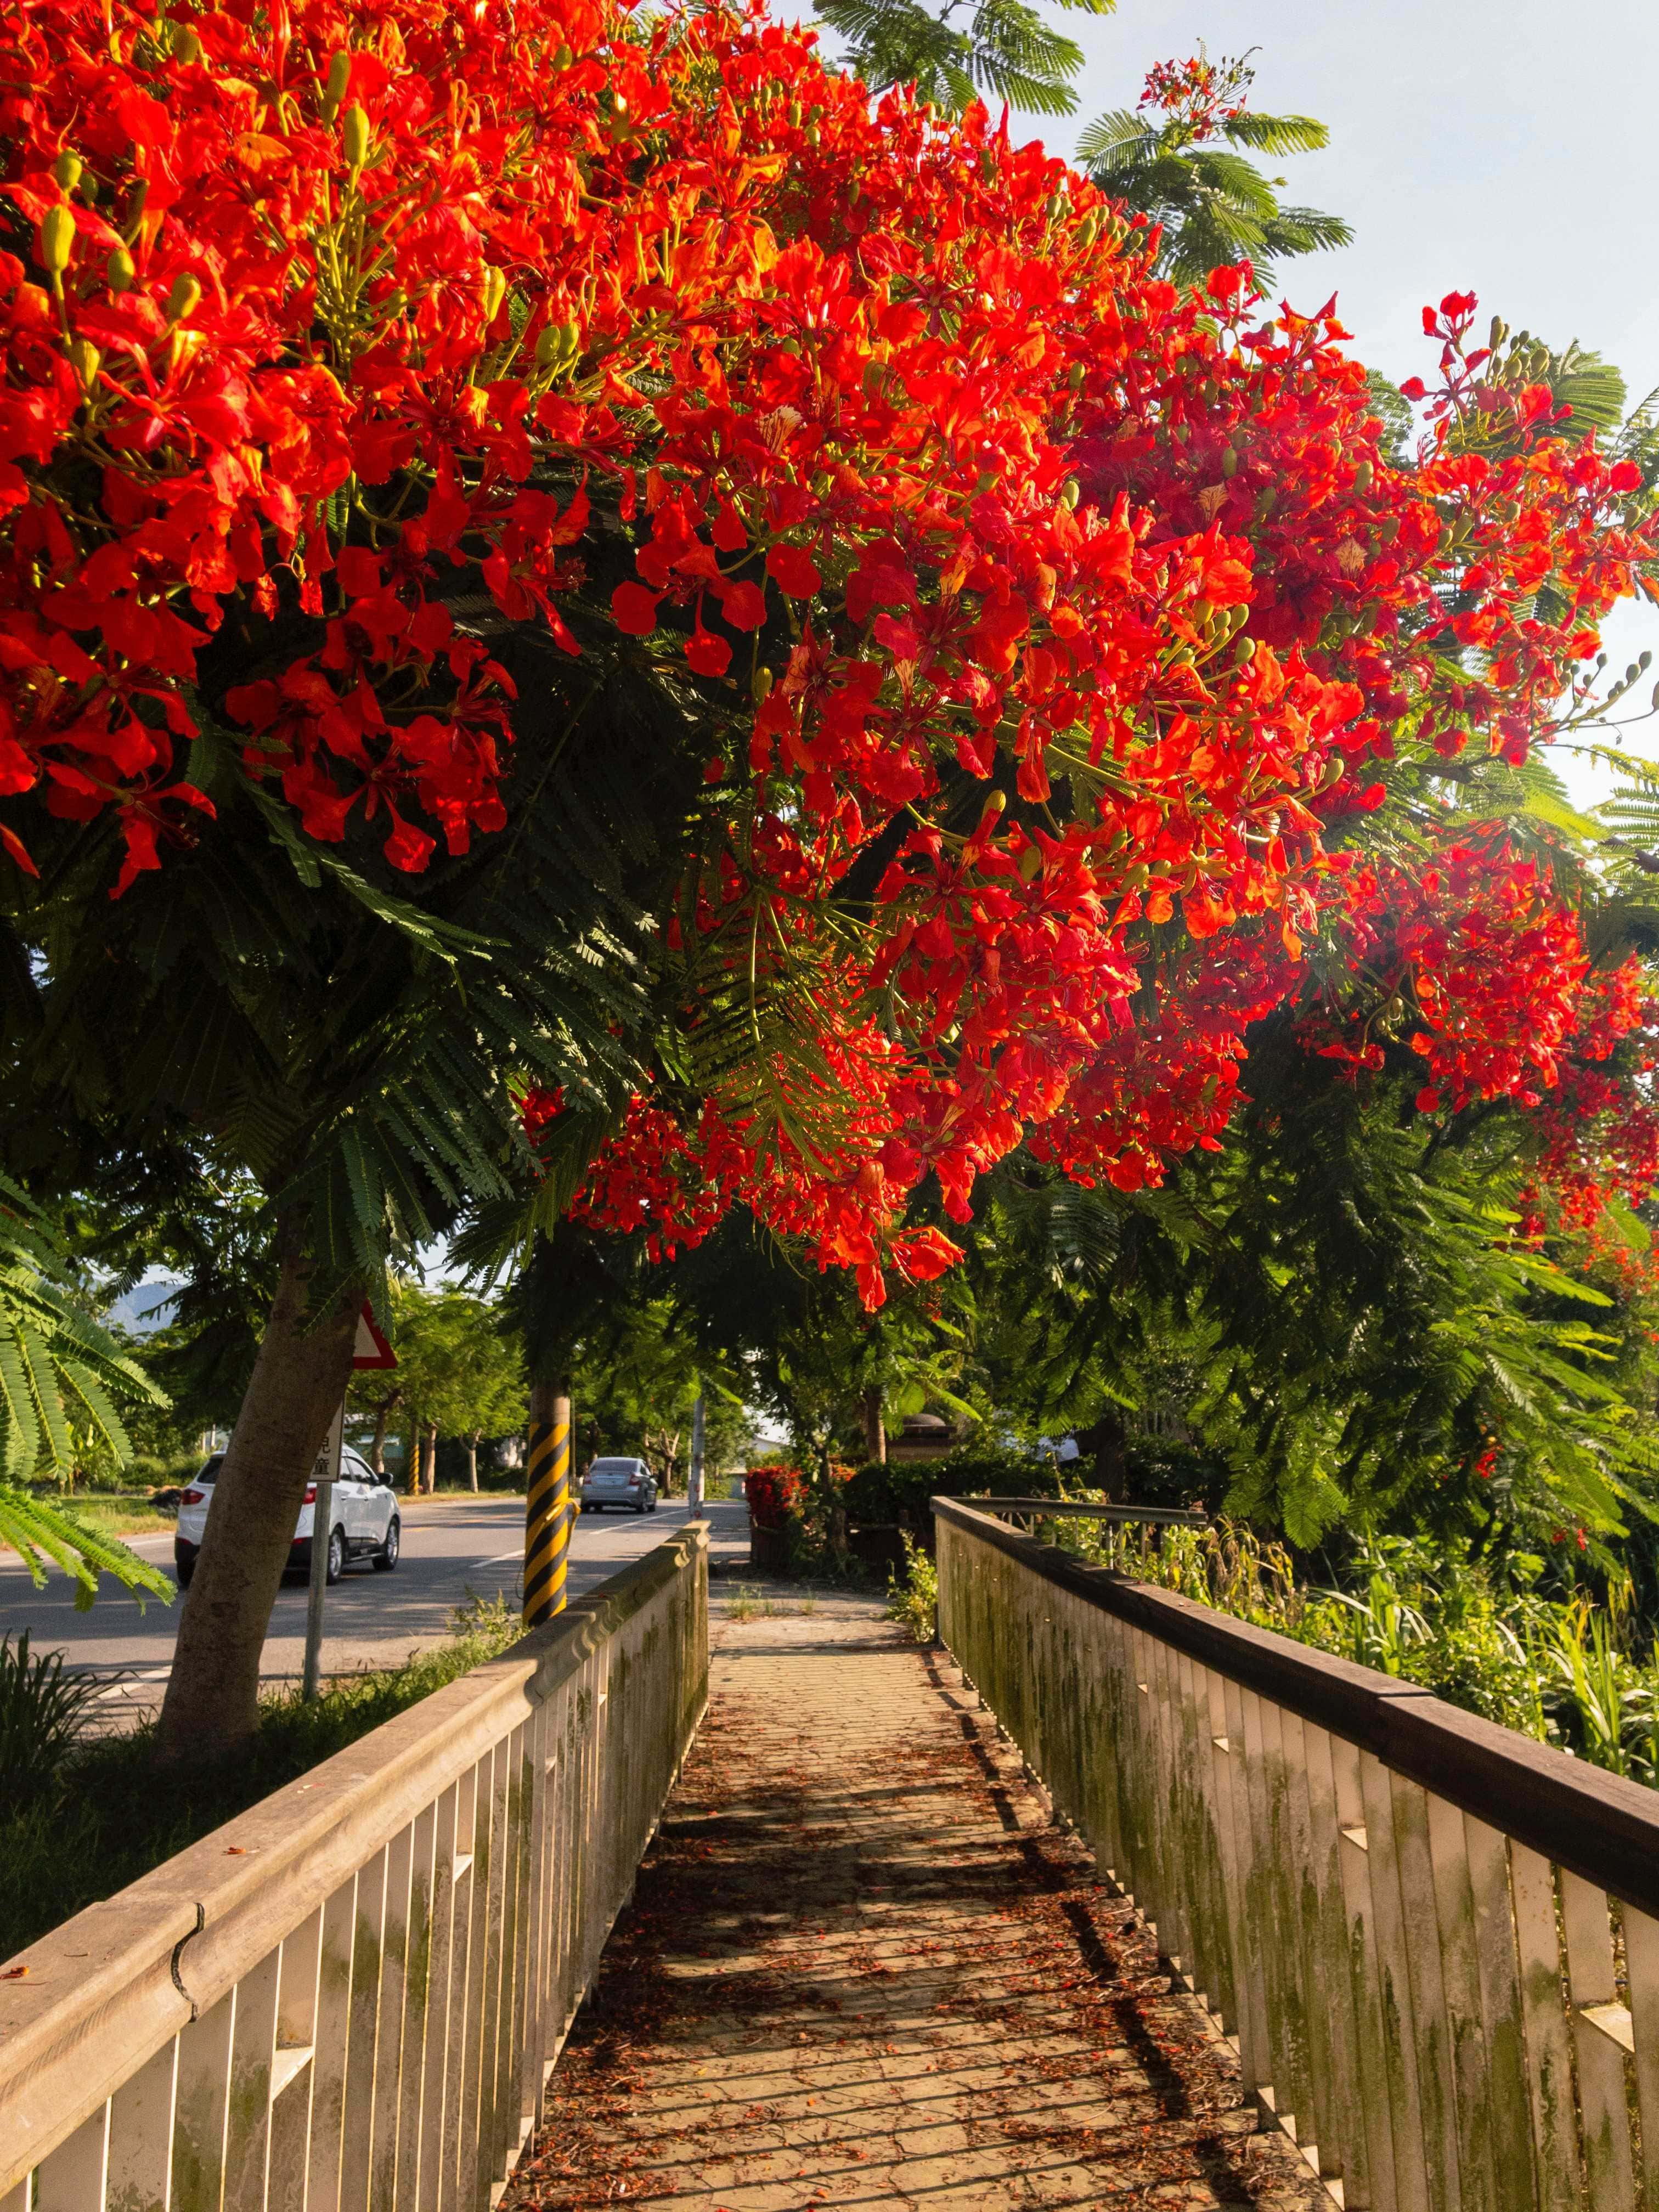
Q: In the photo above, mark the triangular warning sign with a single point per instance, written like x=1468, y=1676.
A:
x=371, y=1349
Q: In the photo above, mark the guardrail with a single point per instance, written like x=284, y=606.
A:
x=349, y=1999
x=1433, y=1943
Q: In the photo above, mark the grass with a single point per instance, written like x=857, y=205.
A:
x=106, y=1817
x=749, y=1605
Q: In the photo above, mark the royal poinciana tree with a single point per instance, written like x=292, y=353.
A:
x=1015, y=636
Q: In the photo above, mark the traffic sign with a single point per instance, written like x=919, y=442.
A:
x=371, y=1349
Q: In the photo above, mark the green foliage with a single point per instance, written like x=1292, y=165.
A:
x=1213, y=204
x=1479, y=1632
x=100, y=1820
x=42, y=1711
x=60, y=1371
x=1002, y=48
x=914, y=1601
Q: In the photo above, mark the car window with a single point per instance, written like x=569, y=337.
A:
x=614, y=1466
x=354, y=1469
x=210, y=1469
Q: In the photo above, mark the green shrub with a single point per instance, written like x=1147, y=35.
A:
x=915, y=1600
x=42, y=1713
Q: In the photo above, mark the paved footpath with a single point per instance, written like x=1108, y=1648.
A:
x=863, y=1969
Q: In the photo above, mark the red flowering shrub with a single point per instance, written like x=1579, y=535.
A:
x=772, y=1492
x=1036, y=621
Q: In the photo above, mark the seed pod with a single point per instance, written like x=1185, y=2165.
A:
x=84, y=358
x=354, y=136
x=67, y=169
x=1070, y=492
x=185, y=298
x=1228, y=461
x=122, y=270
x=334, y=91
x=1362, y=476
x=762, y=685
x=57, y=240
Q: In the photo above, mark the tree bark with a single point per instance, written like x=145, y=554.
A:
x=472, y=1457
x=429, y=1458
x=300, y=1377
x=1109, y=1440
x=875, y=1429
x=382, y=1422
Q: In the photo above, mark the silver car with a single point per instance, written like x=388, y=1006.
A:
x=625, y=1483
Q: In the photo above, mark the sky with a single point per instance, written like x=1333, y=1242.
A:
x=1501, y=147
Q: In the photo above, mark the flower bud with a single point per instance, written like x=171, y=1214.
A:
x=494, y=291
x=1362, y=476
x=57, y=240
x=339, y=76
x=187, y=46
x=67, y=169
x=762, y=686
x=122, y=271
x=1088, y=230
x=563, y=58
x=1075, y=375
x=1228, y=461
x=1245, y=652
x=354, y=136
x=1070, y=492
x=84, y=358
x=185, y=297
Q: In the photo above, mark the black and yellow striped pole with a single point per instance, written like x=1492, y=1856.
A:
x=547, y=1507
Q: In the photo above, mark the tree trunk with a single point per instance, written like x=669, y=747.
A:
x=472, y=1457
x=1108, y=1440
x=875, y=1429
x=300, y=1377
x=377, y=1451
x=429, y=1458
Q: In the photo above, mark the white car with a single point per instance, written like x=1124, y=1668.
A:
x=365, y=1516
x=627, y=1484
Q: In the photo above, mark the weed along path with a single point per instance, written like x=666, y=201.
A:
x=863, y=1969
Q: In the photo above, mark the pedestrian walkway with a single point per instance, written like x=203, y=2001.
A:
x=863, y=1969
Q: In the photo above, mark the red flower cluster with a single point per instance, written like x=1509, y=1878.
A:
x=771, y=1492
x=1045, y=616
x=1198, y=94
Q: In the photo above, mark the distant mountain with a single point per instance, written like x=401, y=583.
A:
x=144, y=1308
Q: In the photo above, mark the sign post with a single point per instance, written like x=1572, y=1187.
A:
x=370, y=1350
x=694, y=1482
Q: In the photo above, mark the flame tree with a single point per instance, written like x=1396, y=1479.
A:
x=573, y=592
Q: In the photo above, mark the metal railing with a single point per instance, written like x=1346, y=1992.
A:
x=1433, y=1943
x=349, y=1999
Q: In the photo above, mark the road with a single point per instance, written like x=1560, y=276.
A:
x=453, y=1547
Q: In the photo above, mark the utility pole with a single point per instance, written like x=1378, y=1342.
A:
x=694, y=1481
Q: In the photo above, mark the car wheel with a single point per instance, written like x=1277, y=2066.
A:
x=641, y=1507
x=386, y=1558
x=337, y=1555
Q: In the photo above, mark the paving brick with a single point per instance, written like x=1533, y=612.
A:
x=856, y=1974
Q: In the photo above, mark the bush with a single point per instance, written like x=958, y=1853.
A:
x=773, y=1493
x=899, y=1492
x=42, y=1712
x=915, y=1601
